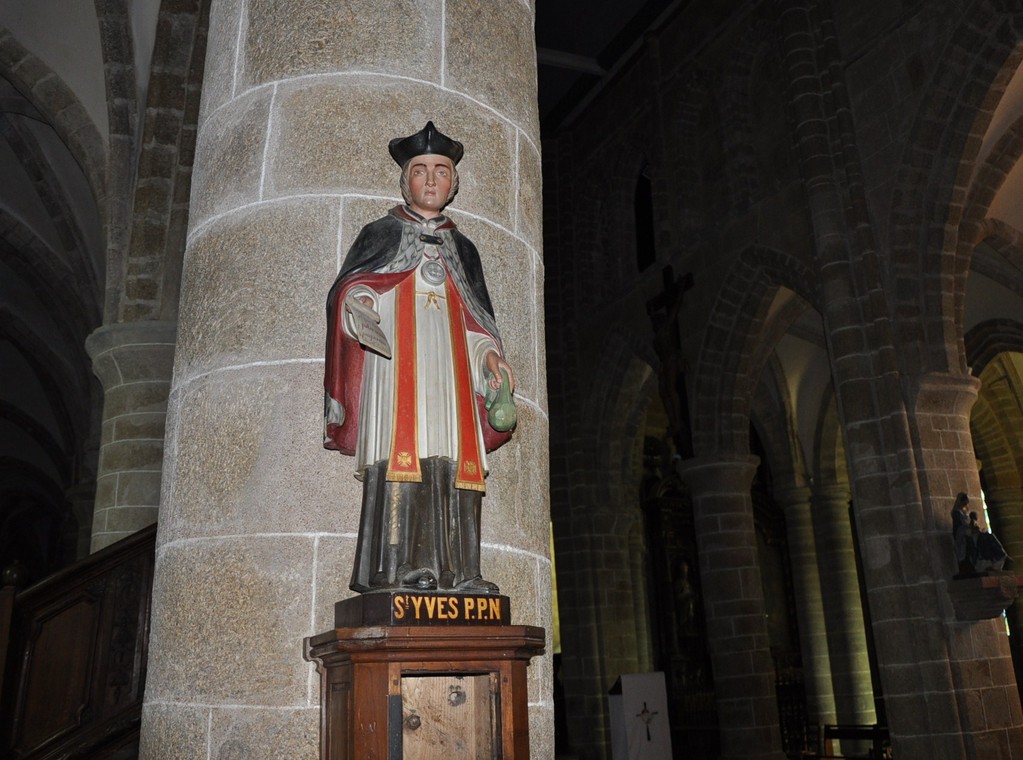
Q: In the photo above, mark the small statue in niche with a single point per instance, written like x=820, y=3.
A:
x=417, y=386
x=965, y=549
x=977, y=550
x=988, y=551
x=685, y=601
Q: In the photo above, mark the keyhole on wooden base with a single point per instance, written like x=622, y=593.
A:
x=456, y=695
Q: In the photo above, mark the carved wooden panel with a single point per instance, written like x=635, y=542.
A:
x=422, y=692
x=76, y=655
x=53, y=694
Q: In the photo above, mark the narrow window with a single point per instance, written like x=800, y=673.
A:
x=643, y=207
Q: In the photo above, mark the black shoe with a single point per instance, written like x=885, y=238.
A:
x=478, y=585
x=421, y=580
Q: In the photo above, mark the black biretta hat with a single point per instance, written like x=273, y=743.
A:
x=427, y=141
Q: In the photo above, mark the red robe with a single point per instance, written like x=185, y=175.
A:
x=343, y=378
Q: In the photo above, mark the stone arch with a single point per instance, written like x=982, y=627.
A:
x=59, y=107
x=928, y=202
x=53, y=287
x=988, y=179
x=998, y=255
x=994, y=349
x=53, y=277
x=989, y=338
x=65, y=383
x=1002, y=237
x=70, y=251
x=829, y=462
x=773, y=419
x=122, y=110
x=993, y=423
x=727, y=366
x=622, y=393
x=54, y=447
x=114, y=17
x=163, y=180
x=996, y=420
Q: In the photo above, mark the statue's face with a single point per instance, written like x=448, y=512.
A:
x=429, y=184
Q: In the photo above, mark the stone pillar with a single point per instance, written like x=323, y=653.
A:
x=639, y=568
x=843, y=606
x=585, y=672
x=733, y=602
x=82, y=501
x=258, y=522
x=948, y=684
x=813, y=640
x=133, y=361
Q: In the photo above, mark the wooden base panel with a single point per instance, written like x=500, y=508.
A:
x=418, y=692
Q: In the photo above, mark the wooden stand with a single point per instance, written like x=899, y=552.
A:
x=418, y=691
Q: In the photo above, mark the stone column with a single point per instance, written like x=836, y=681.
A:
x=733, y=601
x=82, y=501
x=640, y=570
x=940, y=673
x=843, y=606
x=257, y=521
x=133, y=361
x=813, y=641
x=585, y=672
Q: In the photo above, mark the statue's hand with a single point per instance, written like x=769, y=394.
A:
x=495, y=364
x=362, y=303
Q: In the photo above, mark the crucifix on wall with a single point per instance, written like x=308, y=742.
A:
x=663, y=310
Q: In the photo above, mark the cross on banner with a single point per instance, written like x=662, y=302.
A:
x=647, y=717
x=640, y=722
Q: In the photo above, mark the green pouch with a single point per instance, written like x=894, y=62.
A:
x=500, y=406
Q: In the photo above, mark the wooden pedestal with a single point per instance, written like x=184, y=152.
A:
x=412, y=692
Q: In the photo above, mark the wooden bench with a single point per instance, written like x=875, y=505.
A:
x=877, y=736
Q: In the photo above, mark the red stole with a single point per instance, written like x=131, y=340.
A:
x=403, y=463
x=343, y=380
